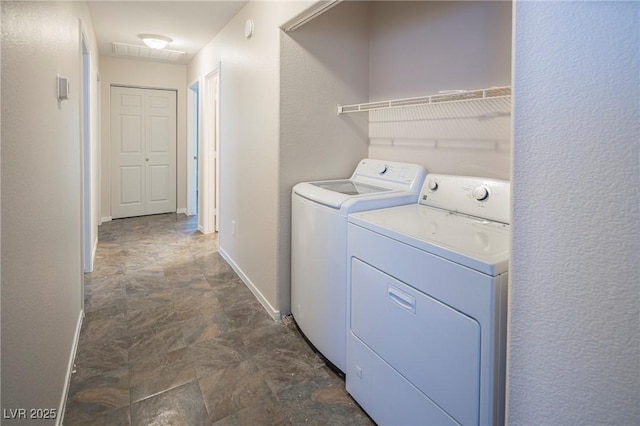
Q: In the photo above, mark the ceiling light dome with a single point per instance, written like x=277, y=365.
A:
x=155, y=41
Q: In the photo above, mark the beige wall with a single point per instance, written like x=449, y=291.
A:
x=323, y=63
x=41, y=199
x=287, y=87
x=419, y=48
x=142, y=74
x=249, y=141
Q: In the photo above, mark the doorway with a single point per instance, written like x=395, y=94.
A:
x=193, y=137
x=209, y=163
x=143, y=156
x=87, y=240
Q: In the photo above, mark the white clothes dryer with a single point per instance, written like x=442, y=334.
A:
x=427, y=310
x=319, y=244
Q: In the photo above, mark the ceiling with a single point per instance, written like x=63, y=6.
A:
x=191, y=24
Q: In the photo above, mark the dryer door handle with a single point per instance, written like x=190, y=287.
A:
x=402, y=299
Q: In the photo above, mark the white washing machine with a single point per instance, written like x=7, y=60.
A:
x=319, y=244
x=427, y=310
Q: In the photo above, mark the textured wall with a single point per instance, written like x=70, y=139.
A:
x=421, y=47
x=323, y=64
x=418, y=48
x=574, y=350
x=41, y=200
x=470, y=138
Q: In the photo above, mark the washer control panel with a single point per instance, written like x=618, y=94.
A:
x=405, y=176
x=475, y=196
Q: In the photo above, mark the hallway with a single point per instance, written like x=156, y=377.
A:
x=172, y=336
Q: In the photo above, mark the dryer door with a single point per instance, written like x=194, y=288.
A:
x=436, y=348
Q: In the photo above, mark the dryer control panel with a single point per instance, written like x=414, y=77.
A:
x=475, y=196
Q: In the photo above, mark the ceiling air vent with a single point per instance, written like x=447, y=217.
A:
x=144, y=52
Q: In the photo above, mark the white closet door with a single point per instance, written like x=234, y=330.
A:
x=160, y=151
x=143, y=141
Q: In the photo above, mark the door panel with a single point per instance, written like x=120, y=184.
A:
x=159, y=138
x=131, y=100
x=131, y=134
x=131, y=185
x=143, y=151
x=158, y=101
x=127, y=132
x=158, y=179
x=161, y=151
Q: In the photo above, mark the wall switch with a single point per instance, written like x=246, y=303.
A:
x=63, y=88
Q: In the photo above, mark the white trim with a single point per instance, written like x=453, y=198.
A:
x=105, y=219
x=310, y=14
x=181, y=211
x=275, y=314
x=86, y=155
x=193, y=134
x=201, y=229
x=70, y=369
x=207, y=154
x=93, y=255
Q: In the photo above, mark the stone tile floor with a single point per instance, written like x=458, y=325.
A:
x=172, y=336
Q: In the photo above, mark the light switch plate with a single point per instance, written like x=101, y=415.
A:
x=63, y=88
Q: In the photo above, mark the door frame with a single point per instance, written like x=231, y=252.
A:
x=130, y=86
x=193, y=142
x=208, y=159
x=88, y=246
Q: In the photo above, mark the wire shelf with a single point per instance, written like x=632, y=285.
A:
x=454, y=96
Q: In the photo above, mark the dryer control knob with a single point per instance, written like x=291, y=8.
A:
x=382, y=169
x=433, y=185
x=480, y=193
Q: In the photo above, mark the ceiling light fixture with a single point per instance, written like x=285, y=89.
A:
x=155, y=41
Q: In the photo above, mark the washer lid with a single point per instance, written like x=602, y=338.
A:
x=373, y=182
x=349, y=187
x=475, y=243
x=344, y=194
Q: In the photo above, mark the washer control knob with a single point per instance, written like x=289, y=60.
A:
x=480, y=193
x=382, y=169
x=433, y=185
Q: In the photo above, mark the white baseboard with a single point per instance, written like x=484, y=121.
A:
x=105, y=219
x=201, y=229
x=70, y=369
x=181, y=211
x=275, y=314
